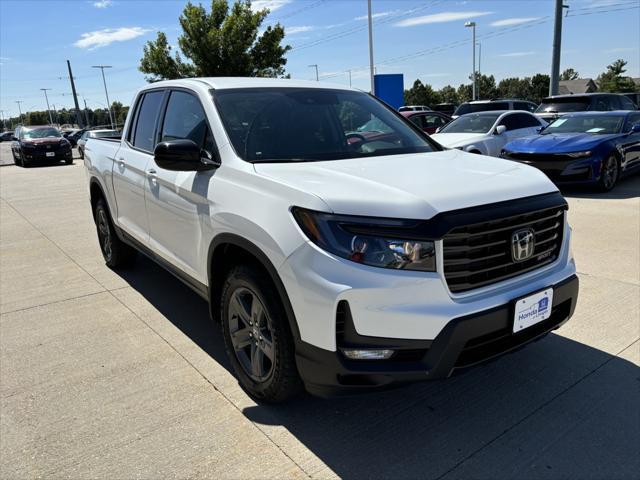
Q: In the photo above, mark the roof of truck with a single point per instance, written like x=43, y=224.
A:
x=248, y=82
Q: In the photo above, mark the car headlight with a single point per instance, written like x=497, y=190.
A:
x=580, y=154
x=377, y=242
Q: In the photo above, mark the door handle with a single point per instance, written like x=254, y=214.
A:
x=151, y=173
x=121, y=163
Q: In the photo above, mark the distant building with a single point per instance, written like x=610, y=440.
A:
x=579, y=85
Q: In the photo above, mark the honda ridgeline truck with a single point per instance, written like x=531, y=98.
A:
x=338, y=246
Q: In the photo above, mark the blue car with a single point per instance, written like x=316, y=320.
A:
x=594, y=148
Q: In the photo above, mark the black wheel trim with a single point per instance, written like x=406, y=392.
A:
x=251, y=332
x=610, y=173
x=104, y=234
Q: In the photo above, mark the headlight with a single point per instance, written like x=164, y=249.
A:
x=386, y=243
x=580, y=154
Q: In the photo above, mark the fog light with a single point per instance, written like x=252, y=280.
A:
x=360, y=354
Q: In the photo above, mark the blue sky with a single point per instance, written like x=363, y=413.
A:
x=421, y=39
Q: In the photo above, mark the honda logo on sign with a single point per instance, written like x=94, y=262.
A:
x=522, y=244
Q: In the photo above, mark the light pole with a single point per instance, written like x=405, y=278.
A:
x=19, y=110
x=479, y=65
x=2, y=118
x=47, y=99
x=102, y=67
x=371, y=73
x=473, y=46
x=349, y=71
x=315, y=65
x=557, y=41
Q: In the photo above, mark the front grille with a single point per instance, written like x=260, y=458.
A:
x=537, y=157
x=480, y=254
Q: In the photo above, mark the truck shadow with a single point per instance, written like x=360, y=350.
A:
x=555, y=409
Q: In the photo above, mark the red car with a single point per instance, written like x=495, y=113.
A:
x=428, y=121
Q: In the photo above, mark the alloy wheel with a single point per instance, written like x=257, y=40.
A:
x=610, y=173
x=104, y=234
x=251, y=334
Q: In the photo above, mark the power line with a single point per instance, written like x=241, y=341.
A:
x=299, y=10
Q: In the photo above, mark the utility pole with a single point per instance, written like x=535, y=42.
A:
x=75, y=96
x=370, y=19
x=102, y=67
x=2, y=118
x=349, y=77
x=472, y=25
x=19, y=110
x=316, y=67
x=479, y=65
x=557, y=42
x=86, y=112
x=55, y=113
x=47, y=99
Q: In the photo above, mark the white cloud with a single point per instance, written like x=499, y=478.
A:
x=439, y=18
x=517, y=54
x=102, y=38
x=509, y=22
x=272, y=5
x=102, y=3
x=376, y=15
x=294, y=30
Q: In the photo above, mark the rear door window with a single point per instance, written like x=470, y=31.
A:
x=143, y=137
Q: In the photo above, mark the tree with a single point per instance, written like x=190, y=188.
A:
x=613, y=81
x=448, y=94
x=219, y=43
x=569, y=74
x=539, y=87
x=514, y=87
x=421, y=94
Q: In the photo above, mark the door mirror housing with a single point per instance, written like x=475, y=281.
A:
x=635, y=128
x=541, y=128
x=183, y=155
x=500, y=129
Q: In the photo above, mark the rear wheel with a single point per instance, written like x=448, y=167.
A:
x=257, y=336
x=116, y=253
x=609, y=174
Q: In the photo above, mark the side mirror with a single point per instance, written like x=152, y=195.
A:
x=183, y=156
x=500, y=129
x=635, y=128
x=540, y=128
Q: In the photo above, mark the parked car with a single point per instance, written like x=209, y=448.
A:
x=558, y=105
x=72, y=135
x=81, y=142
x=494, y=105
x=413, y=108
x=39, y=144
x=635, y=98
x=6, y=136
x=446, y=108
x=487, y=133
x=334, y=266
x=594, y=148
x=427, y=121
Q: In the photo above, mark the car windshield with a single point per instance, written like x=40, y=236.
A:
x=480, y=107
x=471, y=123
x=593, y=124
x=105, y=133
x=40, y=133
x=563, y=106
x=308, y=124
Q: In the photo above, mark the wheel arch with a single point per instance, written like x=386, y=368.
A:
x=227, y=250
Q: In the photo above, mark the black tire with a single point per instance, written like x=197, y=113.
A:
x=17, y=161
x=279, y=380
x=68, y=161
x=609, y=174
x=81, y=153
x=116, y=253
x=24, y=163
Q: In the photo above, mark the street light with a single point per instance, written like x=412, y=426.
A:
x=473, y=46
x=20, y=109
x=102, y=67
x=315, y=65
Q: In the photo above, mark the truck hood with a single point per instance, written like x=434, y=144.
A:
x=453, y=140
x=557, y=143
x=416, y=185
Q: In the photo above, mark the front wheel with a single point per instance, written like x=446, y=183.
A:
x=257, y=337
x=609, y=174
x=81, y=152
x=16, y=160
x=116, y=253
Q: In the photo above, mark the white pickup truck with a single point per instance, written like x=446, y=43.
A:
x=334, y=260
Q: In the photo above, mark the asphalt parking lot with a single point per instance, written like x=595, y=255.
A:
x=122, y=375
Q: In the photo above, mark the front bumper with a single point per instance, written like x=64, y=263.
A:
x=37, y=155
x=465, y=341
x=574, y=171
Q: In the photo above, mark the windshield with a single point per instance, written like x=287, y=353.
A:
x=480, y=107
x=471, y=123
x=594, y=124
x=40, y=133
x=563, y=106
x=307, y=124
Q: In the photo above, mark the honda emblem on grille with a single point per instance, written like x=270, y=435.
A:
x=522, y=244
